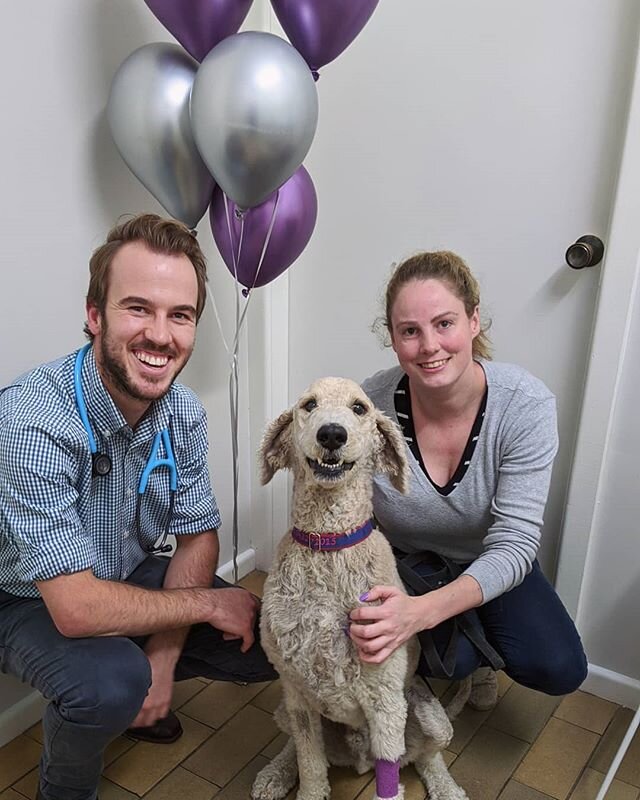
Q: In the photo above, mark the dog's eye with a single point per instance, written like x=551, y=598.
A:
x=359, y=409
x=310, y=405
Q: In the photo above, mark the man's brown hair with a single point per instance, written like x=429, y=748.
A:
x=165, y=236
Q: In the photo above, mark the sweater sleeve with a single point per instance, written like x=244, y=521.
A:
x=526, y=453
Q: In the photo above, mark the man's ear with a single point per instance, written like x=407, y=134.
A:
x=392, y=457
x=94, y=318
x=275, y=449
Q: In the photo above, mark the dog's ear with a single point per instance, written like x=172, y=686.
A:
x=275, y=448
x=392, y=458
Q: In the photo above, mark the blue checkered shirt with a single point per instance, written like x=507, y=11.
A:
x=55, y=518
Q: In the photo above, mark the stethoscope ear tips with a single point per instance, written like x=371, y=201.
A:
x=101, y=464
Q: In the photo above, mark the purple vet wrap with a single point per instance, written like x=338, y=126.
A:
x=387, y=778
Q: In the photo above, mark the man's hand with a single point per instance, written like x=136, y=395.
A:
x=157, y=703
x=235, y=614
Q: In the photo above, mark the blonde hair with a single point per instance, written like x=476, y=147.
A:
x=445, y=266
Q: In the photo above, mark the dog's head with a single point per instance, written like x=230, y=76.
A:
x=333, y=432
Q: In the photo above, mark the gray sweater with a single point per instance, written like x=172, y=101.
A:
x=493, y=517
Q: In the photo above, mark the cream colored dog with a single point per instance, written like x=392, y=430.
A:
x=336, y=708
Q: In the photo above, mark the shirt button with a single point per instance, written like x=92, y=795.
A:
x=125, y=534
x=129, y=492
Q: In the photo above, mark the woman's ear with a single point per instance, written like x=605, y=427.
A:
x=392, y=457
x=275, y=449
x=474, y=322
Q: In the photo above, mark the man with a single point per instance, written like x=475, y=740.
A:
x=90, y=615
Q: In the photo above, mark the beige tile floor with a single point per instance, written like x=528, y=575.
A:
x=530, y=747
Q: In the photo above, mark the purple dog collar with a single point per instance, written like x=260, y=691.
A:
x=333, y=541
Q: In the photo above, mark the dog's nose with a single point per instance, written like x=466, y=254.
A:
x=332, y=436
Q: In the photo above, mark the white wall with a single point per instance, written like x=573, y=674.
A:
x=63, y=186
x=610, y=595
x=597, y=574
x=461, y=126
x=411, y=151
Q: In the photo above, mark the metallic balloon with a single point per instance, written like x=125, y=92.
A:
x=254, y=111
x=321, y=29
x=296, y=209
x=148, y=113
x=200, y=24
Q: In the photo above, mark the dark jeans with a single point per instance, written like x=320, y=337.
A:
x=97, y=685
x=532, y=631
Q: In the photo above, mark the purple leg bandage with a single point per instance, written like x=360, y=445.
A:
x=387, y=778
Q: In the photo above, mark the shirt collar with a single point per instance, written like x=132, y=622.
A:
x=105, y=415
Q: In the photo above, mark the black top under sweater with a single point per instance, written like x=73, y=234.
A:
x=402, y=402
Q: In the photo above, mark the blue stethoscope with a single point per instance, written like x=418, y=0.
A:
x=101, y=463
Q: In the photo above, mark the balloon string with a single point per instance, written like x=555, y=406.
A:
x=234, y=379
x=219, y=321
x=267, y=238
x=233, y=410
x=233, y=407
x=234, y=384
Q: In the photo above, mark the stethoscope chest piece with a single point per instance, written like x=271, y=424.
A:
x=101, y=464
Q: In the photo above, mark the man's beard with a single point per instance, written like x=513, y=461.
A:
x=116, y=371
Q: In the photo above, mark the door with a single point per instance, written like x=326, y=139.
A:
x=493, y=129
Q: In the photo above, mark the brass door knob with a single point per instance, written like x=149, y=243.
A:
x=587, y=251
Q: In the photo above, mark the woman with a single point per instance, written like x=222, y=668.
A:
x=482, y=439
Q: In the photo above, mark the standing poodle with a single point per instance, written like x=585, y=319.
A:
x=336, y=708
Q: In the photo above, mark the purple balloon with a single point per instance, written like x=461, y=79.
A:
x=200, y=24
x=321, y=29
x=294, y=223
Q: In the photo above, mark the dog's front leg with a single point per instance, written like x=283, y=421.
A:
x=306, y=730
x=385, y=708
x=274, y=780
x=432, y=735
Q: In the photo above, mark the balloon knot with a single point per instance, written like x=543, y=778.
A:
x=238, y=212
x=315, y=74
x=245, y=292
x=194, y=233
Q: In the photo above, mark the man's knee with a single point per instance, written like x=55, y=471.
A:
x=113, y=676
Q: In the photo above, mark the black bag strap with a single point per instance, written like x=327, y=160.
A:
x=445, y=571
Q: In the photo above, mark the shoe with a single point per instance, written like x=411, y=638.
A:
x=484, y=689
x=164, y=731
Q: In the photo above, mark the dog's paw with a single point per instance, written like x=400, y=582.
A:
x=399, y=796
x=451, y=792
x=273, y=783
x=437, y=779
x=321, y=793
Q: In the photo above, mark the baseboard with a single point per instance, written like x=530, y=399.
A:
x=612, y=686
x=20, y=716
x=246, y=564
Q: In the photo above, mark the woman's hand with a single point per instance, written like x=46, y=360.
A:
x=378, y=630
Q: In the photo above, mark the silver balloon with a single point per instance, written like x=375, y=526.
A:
x=254, y=111
x=148, y=113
